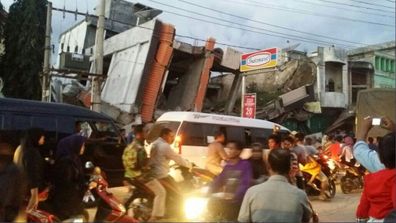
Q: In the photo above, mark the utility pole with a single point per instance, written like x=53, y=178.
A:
x=96, y=81
x=45, y=94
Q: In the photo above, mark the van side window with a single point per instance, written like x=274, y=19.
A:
x=1, y=121
x=47, y=123
x=21, y=122
x=85, y=128
x=192, y=134
x=65, y=125
x=237, y=134
x=209, y=131
x=261, y=135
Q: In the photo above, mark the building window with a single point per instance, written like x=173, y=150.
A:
x=331, y=85
x=377, y=63
x=392, y=66
x=383, y=64
x=387, y=69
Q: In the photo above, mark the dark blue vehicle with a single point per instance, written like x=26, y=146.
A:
x=104, y=146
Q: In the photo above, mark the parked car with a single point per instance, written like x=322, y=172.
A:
x=104, y=147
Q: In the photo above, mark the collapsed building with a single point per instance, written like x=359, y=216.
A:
x=149, y=71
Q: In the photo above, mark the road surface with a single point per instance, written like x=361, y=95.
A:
x=340, y=209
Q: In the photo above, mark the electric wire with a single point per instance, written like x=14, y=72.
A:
x=269, y=24
x=370, y=3
x=278, y=34
x=357, y=6
x=306, y=12
x=346, y=9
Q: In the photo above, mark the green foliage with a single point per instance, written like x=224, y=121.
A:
x=24, y=49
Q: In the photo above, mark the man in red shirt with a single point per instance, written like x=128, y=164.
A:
x=335, y=149
x=379, y=194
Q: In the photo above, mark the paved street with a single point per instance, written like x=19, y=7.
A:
x=340, y=209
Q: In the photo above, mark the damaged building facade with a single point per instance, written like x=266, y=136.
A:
x=147, y=70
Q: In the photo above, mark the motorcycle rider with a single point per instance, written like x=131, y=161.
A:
x=234, y=181
x=160, y=155
x=138, y=174
x=346, y=151
x=310, y=166
x=216, y=154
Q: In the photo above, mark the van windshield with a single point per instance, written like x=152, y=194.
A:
x=158, y=126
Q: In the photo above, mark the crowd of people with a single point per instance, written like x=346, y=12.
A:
x=58, y=190
x=267, y=187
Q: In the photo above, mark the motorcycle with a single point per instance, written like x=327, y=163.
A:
x=352, y=178
x=109, y=208
x=42, y=216
x=315, y=163
x=189, y=181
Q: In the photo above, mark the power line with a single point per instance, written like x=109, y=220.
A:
x=261, y=22
x=287, y=36
x=342, y=8
x=179, y=35
x=218, y=43
x=368, y=3
x=306, y=12
x=254, y=31
x=358, y=6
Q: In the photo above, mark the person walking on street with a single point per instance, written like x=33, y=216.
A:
x=137, y=173
x=274, y=142
x=160, y=155
x=276, y=200
x=28, y=158
x=295, y=175
x=11, y=186
x=69, y=185
x=260, y=170
x=216, y=154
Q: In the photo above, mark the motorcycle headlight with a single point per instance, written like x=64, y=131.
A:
x=331, y=164
x=78, y=220
x=195, y=207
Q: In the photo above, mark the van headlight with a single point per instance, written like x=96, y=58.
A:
x=195, y=208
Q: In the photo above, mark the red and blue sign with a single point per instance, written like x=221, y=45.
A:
x=262, y=59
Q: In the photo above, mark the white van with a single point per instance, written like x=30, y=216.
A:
x=194, y=131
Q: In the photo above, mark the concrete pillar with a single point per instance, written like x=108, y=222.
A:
x=233, y=95
x=345, y=84
x=205, y=75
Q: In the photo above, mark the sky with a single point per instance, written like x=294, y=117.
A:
x=249, y=25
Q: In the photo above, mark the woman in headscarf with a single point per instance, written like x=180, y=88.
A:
x=29, y=160
x=68, y=179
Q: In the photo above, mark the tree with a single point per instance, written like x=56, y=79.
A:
x=24, y=49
